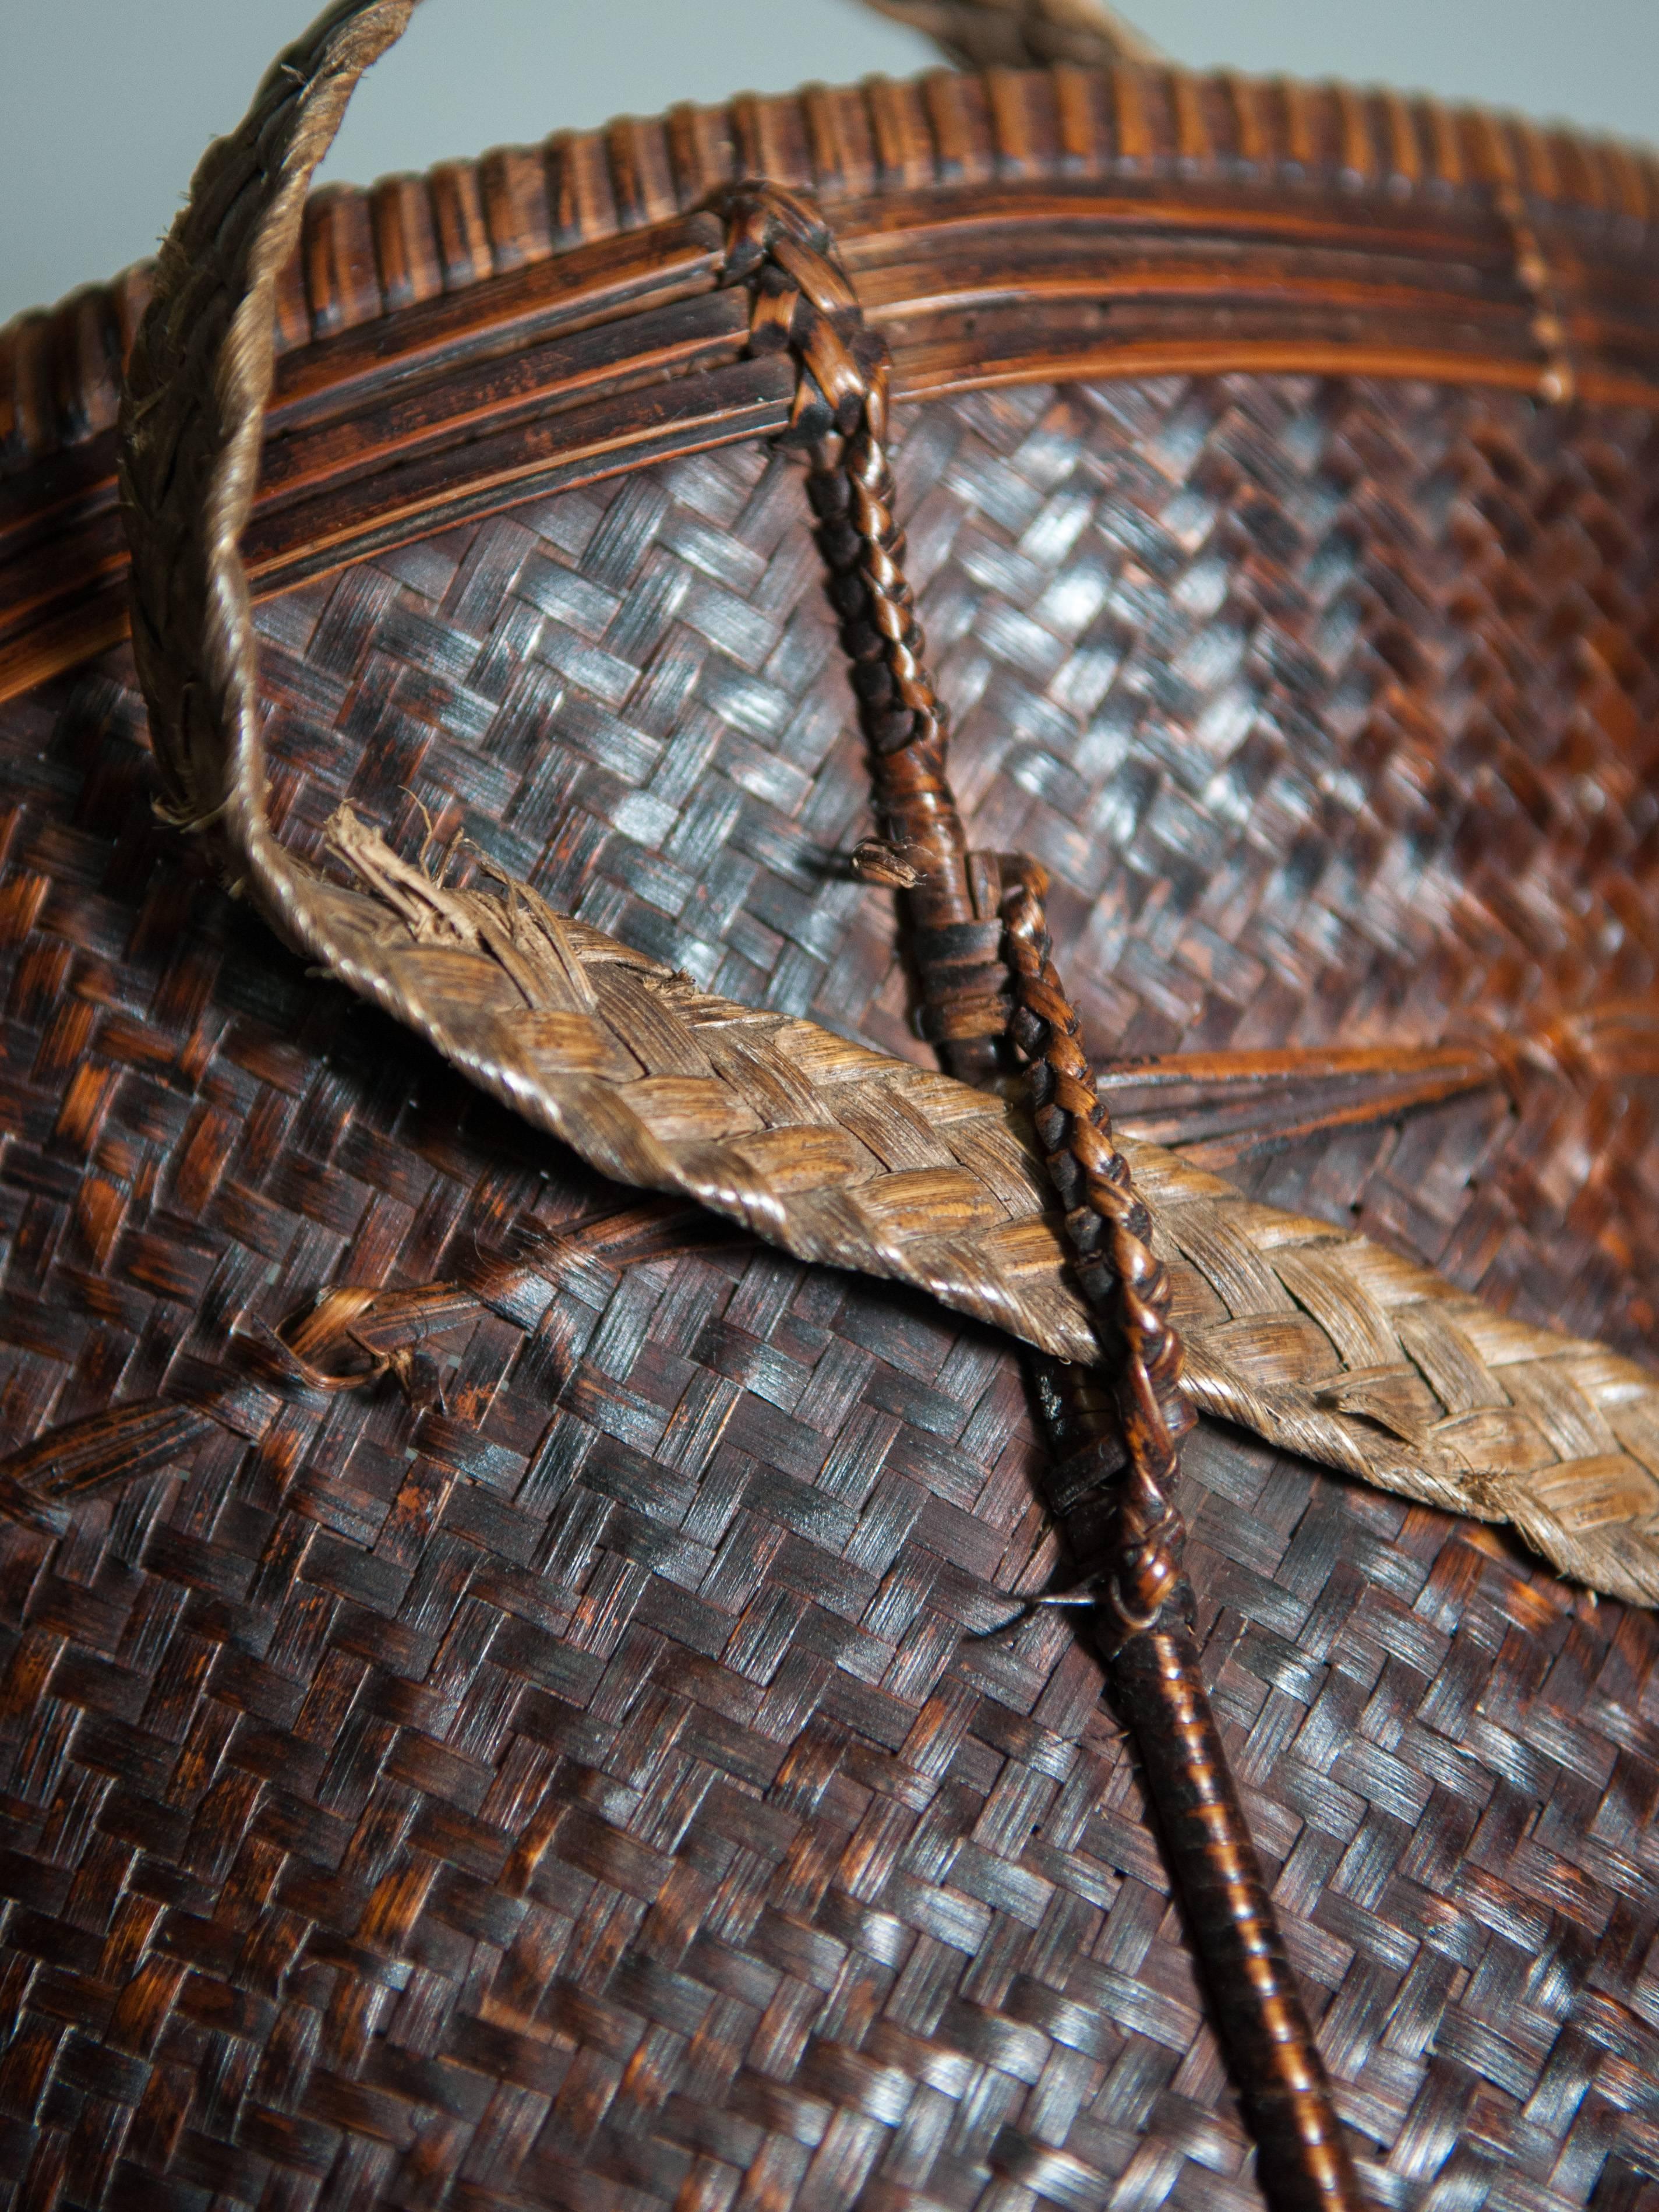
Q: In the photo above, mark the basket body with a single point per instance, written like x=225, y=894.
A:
x=583, y=1795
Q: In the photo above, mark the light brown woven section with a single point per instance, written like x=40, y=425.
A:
x=1324, y=1342
x=834, y=1152
x=1311, y=1336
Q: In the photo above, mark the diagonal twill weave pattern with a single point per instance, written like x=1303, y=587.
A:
x=601, y=1800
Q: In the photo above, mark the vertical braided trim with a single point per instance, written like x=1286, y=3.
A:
x=779, y=245
x=1126, y=1285
x=1141, y=1604
x=1119, y=1489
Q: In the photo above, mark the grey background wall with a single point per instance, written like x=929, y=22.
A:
x=105, y=105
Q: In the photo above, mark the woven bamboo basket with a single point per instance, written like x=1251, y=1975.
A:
x=523, y=1731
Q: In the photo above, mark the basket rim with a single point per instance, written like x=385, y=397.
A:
x=1003, y=227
